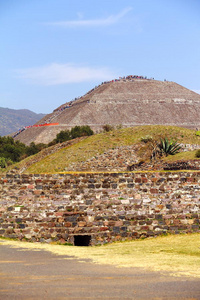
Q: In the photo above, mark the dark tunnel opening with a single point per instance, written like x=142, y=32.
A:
x=82, y=240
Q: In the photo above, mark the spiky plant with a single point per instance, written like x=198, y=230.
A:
x=168, y=147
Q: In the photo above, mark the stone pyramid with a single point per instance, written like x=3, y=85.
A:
x=128, y=101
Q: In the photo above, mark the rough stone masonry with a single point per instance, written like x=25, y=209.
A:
x=97, y=208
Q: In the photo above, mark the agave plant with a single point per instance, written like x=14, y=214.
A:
x=168, y=147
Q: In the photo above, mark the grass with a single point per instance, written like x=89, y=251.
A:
x=177, y=254
x=181, y=156
x=99, y=143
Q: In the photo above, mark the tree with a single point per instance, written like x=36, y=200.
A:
x=12, y=152
x=62, y=136
x=85, y=130
x=3, y=163
x=77, y=131
x=34, y=148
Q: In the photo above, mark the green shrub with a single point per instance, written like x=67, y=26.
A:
x=79, y=131
x=197, y=133
x=86, y=130
x=107, y=128
x=66, y=135
x=10, y=149
x=63, y=136
x=168, y=147
x=52, y=143
x=119, y=126
x=34, y=148
x=3, y=163
x=197, y=153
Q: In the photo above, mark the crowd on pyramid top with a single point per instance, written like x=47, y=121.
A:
x=128, y=78
x=124, y=78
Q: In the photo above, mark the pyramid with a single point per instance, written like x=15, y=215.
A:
x=129, y=101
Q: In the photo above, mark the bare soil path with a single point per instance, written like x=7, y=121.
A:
x=43, y=275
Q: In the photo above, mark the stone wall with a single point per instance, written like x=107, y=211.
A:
x=95, y=208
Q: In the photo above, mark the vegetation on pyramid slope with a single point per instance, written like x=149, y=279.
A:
x=95, y=145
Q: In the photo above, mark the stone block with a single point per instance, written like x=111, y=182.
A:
x=106, y=185
x=10, y=208
x=82, y=224
x=125, y=201
x=122, y=180
x=153, y=191
x=130, y=185
x=150, y=233
x=116, y=229
x=104, y=228
x=118, y=223
x=195, y=227
x=138, y=180
x=144, y=180
x=158, y=217
x=162, y=188
x=21, y=226
x=37, y=192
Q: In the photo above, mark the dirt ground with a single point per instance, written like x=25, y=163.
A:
x=28, y=274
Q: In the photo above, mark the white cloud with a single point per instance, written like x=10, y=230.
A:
x=93, y=22
x=55, y=74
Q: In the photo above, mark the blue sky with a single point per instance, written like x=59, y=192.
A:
x=55, y=50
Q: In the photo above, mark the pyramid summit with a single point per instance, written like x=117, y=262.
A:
x=127, y=101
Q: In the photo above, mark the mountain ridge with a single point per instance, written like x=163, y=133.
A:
x=12, y=120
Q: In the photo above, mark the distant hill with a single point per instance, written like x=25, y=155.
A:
x=11, y=120
x=126, y=102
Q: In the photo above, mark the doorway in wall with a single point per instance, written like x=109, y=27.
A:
x=82, y=240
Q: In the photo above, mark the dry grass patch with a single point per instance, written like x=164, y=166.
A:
x=181, y=156
x=179, y=255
